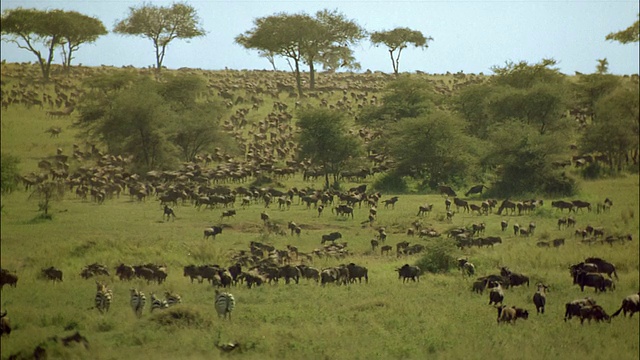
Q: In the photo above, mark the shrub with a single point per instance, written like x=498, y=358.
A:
x=440, y=256
x=392, y=183
x=9, y=173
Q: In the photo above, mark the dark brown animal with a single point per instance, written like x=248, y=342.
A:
x=212, y=231
x=593, y=312
x=407, y=272
x=630, y=304
x=496, y=294
x=540, y=298
x=5, y=325
x=52, y=274
x=573, y=308
x=446, y=190
x=7, y=278
x=603, y=266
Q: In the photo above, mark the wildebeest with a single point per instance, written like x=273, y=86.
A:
x=510, y=315
x=579, y=205
x=391, y=202
x=573, y=308
x=479, y=286
x=407, y=272
x=561, y=204
x=125, y=272
x=331, y=237
x=328, y=276
x=603, y=266
x=496, y=294
x=507, y=204
x=374, y=244
x=5, y=325
x=504, y=224
x=289, y=272
x=358, y=272
x=7, y=278
x=540, y=298
x=168, y=212
x=515, y=279
x=385, y=248
x=424, y=209
x=593, y=312
x=212, y=231
x=558, y=242
x=459, y=203
x=446, y=190
x=630, y=304
x=52, y=273
x=594, y=280
x=228, y=213
x=477, y=189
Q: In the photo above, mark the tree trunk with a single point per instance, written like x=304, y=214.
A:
x=393, y=62
x=298, y=80
x=312, y=76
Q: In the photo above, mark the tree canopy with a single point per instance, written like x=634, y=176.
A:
x=161, y=25
x=399, y=39
x=325, y=141
x=41, y=32
x=628, y=35
x=325, y=39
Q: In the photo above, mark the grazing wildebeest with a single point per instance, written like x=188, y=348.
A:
x=579, y=205
x=385, y=248
x=168, y=212
x=630, y=304
x=562, y=222
x=407, y=272
x=52, y=273
x=5, y=325
x=477, y=189
x=573, y=308
x=540, y=298
x=374, y=244
x=424, y=209
x=358, y=272
x=331, y=237
x=558, y=242
x=560, y=204
x=507, y=204
x=594, y=280
x=7, y=278
x=593, y=312
x=446, y=190
x=461, y=203
x=515, y=279
x=510, y=315
x=212, y=231
x=125, y=272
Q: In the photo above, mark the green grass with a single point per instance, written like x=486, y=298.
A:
x=439, y=317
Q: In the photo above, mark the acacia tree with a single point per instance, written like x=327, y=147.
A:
x=279, y=34
x=399, y=39
x=628, y=35
x=325, y=39
x=80, y=29
x=161, y=25
x=324, y=140
x=32, y=30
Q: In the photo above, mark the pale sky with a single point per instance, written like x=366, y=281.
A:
x=469, y=36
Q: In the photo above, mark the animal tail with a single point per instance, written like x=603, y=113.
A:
x=615, y=274
x=617, y=312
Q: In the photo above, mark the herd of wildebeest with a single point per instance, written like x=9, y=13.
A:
x=205, y=184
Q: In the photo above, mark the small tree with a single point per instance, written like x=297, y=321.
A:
x=324, y=140
x=46, y=192
x=81, y=29
x=32, y=29
x=399, y=39
x=602, y=67
x=628, y=35
x=9, y=166
x=161, y=25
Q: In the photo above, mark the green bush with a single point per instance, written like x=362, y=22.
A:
x=9, y=173
x=440, y=256
x=391, y=183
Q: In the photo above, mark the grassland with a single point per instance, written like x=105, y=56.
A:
x=439, y=317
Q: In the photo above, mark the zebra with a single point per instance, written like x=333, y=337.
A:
x=104, y=296
x=138, y=300
x=172, y=299
x=224, y=303
x=157, y=303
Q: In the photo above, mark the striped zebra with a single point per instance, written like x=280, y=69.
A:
x=104, y=296
x=224, y=304
x=172, y=299
x=157, y=303
x=138, y=300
